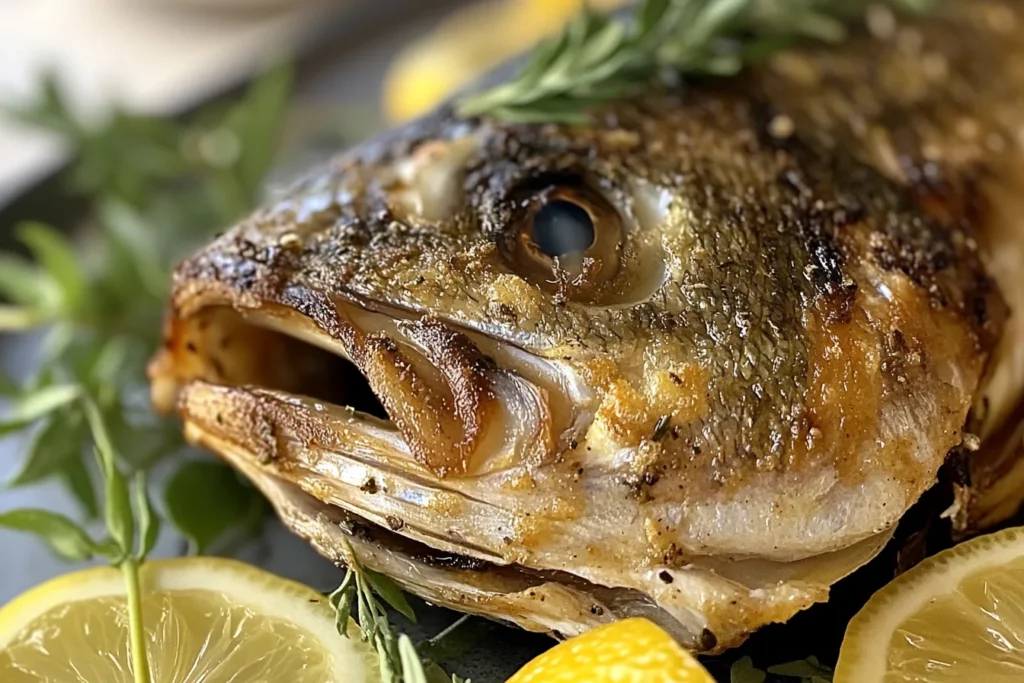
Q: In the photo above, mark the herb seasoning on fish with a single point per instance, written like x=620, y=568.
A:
x=742, y=286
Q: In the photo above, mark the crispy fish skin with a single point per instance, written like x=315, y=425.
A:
x=810, y=295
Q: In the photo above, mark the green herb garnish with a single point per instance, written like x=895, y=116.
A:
x=397, y=656
x=152, y=188
x=131, y=535
x=598, y=59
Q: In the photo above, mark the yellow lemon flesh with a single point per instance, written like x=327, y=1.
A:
x=206, y=621
x=627, y=651
x=957, y=617
x=469, y=43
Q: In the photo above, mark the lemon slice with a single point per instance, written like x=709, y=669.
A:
x=206, y=620
x=627, y=651
x=956, y=617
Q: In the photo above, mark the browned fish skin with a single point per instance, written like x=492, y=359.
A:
x=799, y=324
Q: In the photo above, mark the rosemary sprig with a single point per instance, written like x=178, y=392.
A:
x=598, y=59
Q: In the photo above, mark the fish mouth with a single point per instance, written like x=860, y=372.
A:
x=307, y=396
x=349, y=399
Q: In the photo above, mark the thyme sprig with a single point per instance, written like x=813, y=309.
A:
x=598, y=59
x=150, y=189
x=131, y=534
x=397, y=657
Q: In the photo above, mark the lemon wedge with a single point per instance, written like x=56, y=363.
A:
x=957, y=617
x=628, y=651
x=206, y=620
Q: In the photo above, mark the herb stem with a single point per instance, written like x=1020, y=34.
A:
x=136, y=631
x=596, y=60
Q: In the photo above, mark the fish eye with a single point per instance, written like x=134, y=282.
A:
x=562, y=228
x=565, y=238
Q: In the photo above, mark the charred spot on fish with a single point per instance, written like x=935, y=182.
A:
x=503, y=311
x=836, y=290
x=899, y=342
x=957, y=464
x=639, y=485
x=673, y=556
x=661, y=427
x=395, y=523
x=708, y=640
x=665, y=576
x=369, y=486
x=635, y=486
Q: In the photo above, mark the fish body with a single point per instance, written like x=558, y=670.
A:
x=796, y=297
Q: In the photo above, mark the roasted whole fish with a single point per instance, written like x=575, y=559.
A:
x=693, y=361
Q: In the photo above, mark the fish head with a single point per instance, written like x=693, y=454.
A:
x=680, y=352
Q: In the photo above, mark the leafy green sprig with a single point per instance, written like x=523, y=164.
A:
x=396, y=655
x=131, y=534
x=153, y=188
x=598, y=59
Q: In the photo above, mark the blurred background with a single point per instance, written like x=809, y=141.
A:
x=130, y=132
x=388, y=59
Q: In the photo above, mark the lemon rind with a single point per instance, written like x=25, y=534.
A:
x=863, y=656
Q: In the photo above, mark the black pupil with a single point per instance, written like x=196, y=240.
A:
x=562, y=228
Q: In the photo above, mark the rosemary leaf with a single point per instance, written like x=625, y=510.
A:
x=597, y=59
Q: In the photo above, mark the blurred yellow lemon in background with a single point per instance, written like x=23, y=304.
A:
x=627, y=651
x=957, y=617
x=206, y=619
x=468, y=44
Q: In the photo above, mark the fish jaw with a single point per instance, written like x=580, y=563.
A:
x=723, y=603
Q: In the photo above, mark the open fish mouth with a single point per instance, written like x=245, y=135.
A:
x=300, y=404
x=374, y=403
